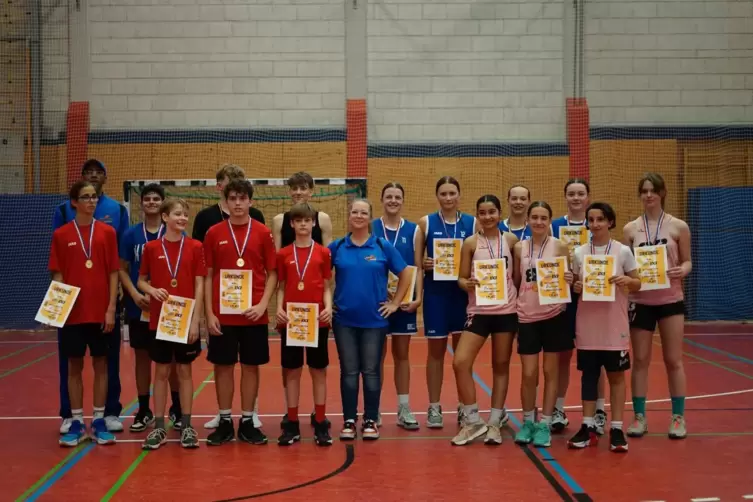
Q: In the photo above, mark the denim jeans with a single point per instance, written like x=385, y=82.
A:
x=360, y=353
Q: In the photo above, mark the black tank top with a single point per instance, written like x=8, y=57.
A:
x=287, y=234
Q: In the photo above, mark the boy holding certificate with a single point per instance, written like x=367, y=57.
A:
x=172, y=268
x=241, y=278
x=304, y=271
x=605, y=270
x=84, y=253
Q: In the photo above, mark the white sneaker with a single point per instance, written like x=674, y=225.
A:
x=212, y=424
x=257, y=421
x=65, y=427
x=113, y=424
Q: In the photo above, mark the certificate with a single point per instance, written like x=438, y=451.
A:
x=492, y=281
x=235, y=291
x=652, y=267
x=574, y=236
x=447, y=259
x=597, y=269
x=57, y=304
x=145, y=316
x=175, y=319
x=392, y=285
x=303, y=325
x=550, y=278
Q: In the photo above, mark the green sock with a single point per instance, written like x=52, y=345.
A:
x=678, y=405
x=639, y=405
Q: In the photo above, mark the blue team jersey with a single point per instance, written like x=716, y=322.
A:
x=131, y=248
x=436, y=228
x=108, y=211
x=521, y=233
x=403, y=238
x=563, y=221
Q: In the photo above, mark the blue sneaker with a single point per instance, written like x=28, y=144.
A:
x=100, y=434
x=75, y=435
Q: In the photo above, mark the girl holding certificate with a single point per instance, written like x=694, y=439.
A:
x=518, y=200
x=543, y=326
x=362, y=262
x=444, y=301
x=661, y=244
x=486, y=274
x=605, y=270
x=172, y=268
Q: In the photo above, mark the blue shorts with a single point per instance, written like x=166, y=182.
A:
x=444, y=312
x=402, y=323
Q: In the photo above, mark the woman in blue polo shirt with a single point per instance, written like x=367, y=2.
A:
x=362, y=263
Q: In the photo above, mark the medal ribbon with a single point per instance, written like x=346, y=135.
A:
x=444, y=224
x=167, y=257
x=308, y=260
x=399, y=227
x=245, y=241
x=648, y=230
x=87, y=254
x=531, y=263
x=499, y=246
x=609, y=246
x=159, y=231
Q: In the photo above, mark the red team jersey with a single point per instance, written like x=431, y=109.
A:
x=259, y=257
x=67, y=257
x=318, y=271
x=154, y=266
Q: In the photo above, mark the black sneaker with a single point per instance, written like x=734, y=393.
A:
x=224, y=433
x=326, y=422
x=291, y=433
x=617, y=441
x=559, y=421
x=175, y=419
x=600, y=421
x=141, y=421
x=321, y=433
x=284, y=421
x=250, y=434
x=586, y=436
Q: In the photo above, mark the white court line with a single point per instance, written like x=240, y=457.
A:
x=706, y=499
x=748, y=497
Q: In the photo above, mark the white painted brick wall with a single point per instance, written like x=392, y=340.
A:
x=669, y=61
x=464, y=70
x=210, y=63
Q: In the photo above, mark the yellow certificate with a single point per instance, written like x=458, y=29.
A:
x=303, y=325
x=392, y=285
x=57, y=304
x=447, y=259
x=574, y=236
x=550, y=278
x=235, y=291
x=597, y=269
x=175, y=319
x=492, y=281
x=652, y=267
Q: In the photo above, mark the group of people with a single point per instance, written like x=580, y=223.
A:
x=368, y=286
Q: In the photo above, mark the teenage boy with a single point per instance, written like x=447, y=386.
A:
x=239, y=244
x=304, y=271
x=84, y=254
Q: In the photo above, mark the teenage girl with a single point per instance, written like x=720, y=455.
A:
x=518, y=200
x=498, y=321
x=664, y=307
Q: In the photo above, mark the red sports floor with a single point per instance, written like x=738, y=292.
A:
x=713, y=463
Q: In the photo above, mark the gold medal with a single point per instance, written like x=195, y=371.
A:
x=89, y=264
x=174, y=283
x=240, y=262
x=300, y=286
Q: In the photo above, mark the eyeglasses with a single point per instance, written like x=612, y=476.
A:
x=89, y=198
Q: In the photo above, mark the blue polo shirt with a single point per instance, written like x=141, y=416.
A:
x=131, y=248
x=361, y=280
x=108, y=211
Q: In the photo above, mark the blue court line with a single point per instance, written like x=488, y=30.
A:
x=567, y=478
x=719, y=351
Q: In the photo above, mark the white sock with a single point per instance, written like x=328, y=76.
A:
x=471, y=413
x=246, y=415
x=546, y=419
x=226, y=414
x=616, y=424
x=560, y=404
x=435, y=406
x=529, y=416
x=600, y=404
x=402, y=399
x=495, y=417
x=78, y=415
x=99, y=413
x=589, y=421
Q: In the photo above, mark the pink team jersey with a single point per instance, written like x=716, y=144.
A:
x=529, y=308
x=674, y=293
x=604, y=325
x=483, y=252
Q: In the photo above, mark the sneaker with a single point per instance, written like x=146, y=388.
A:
x=677, y=428
x=250, y=434
x=469, y=432
x=586, y=436
x=617, y=441
x=542, y=436
x=65, y=426
x=434, y=418
x=142, y=420
x=600, y=420
x=101, y=434
x=559, y=420
x=291, y=433
x=493, y=435
x=461, y=415
x=155, y=439
x=639, y=426
x=223, y=433
x=113, y=424
x=189, y=438
x=325, y=421
x=405, y=418
x=284, y=421
x=176, y=421
x=321, y=433
x=212, y=424
x=525, y=434
x=349, y=430
x=75, y=435
x=370, y=430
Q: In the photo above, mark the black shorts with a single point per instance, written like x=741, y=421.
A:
x=647, y=316
x=549, y=335
x=572, y=310
x=74, y=339
x=139, y=334
x=487, y=324
x=291, y=358
x=164, y=352
x=610, y=360
x=249, y=344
